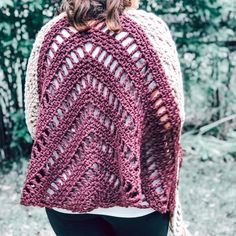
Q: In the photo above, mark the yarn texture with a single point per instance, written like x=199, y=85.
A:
x=106, y=112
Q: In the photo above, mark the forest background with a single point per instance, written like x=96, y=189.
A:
x=205, y=35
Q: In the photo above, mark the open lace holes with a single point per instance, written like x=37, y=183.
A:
x=127, y=41
x=164, y=118
x=37, y=179
x=80, y=50
x=136, y=54
x=74, y=57
x=59, y=39
x=140, y=62
x=65, y=33
x=161, y=110
x=55, y=119
x=145, y=68
x=131, y=48
x=128, y=187
x=101, y=56
x=69, y=63
x=158, y=102
x=133, y=194
x=152, y=86
x=88, y=47
x=51, y=88
x=113, y=65
x=96, y=51
x=121, y=35
x=155, y=94
x=55, y=81
x=167, y=125
x=54, y=46
x=108, y=60
x=50, y=53
x=41, y=172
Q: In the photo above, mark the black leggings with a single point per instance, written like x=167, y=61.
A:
x=66, y=224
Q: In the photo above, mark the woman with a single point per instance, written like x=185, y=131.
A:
x=104, y=104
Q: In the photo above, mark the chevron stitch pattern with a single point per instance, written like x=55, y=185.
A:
x=109, y=124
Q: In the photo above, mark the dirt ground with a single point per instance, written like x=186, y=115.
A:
x=207, y=193
x=208, y=196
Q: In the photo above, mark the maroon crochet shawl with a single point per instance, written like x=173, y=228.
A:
x=100, y=140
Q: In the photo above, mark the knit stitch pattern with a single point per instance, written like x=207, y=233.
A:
x=109, y=119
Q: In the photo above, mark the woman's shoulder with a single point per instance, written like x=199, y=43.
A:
x=155, y=27
x=148, y=19
x=140, y=12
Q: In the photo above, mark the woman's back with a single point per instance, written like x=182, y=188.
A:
x=110, y=114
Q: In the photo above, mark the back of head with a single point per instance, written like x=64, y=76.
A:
x=80, y=12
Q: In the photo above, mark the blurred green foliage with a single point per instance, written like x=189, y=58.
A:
x=204, y=32
x=19, y=23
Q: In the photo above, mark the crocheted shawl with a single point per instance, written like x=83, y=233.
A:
x=107, y=119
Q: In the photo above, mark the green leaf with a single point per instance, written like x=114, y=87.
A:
x=5, y=3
